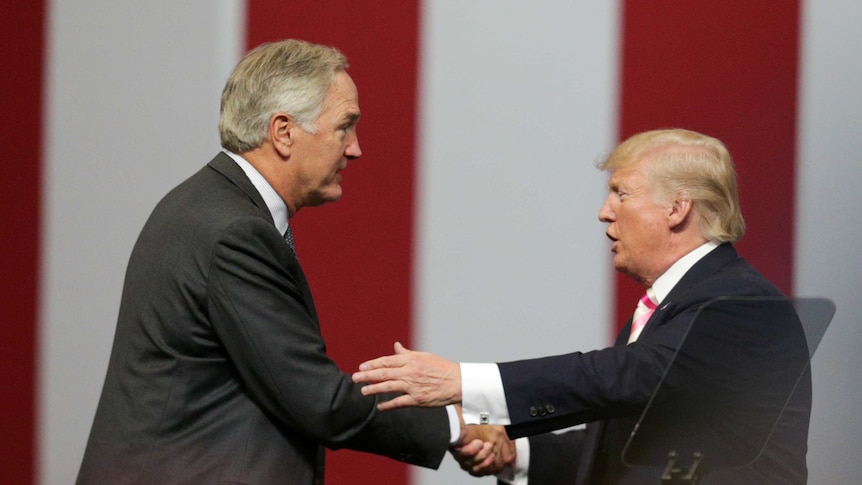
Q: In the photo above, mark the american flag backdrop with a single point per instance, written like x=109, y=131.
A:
x=469, y=227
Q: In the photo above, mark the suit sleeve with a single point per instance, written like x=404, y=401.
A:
x=557, y=392
x=260, y=308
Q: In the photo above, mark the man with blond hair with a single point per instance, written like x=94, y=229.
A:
x=672, y=214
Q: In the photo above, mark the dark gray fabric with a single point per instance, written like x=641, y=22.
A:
x=218, y=371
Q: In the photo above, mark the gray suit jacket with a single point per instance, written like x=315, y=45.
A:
x=218, y=372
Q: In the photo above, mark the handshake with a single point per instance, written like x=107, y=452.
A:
x=426, y=380
x=484, y=449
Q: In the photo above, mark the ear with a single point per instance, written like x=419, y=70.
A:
x=282, y=132
x=679, y=212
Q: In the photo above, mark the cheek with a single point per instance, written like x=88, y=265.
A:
x=636, y=237
x=331, y=156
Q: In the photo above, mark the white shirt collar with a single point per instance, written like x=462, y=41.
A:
x=665, y=283
x=273, y=201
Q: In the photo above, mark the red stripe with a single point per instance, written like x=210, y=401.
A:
x=727, y=69
x=357, y=252
x=21, y=48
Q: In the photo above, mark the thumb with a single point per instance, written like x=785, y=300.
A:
x=400, y=349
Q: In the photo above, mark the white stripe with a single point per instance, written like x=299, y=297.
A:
x=132, y=108
x=829, y=228
x=517, y=102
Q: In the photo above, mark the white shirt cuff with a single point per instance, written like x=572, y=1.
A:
x=483, y=400
x=454, y=425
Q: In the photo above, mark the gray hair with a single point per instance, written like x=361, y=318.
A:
x=290, y=76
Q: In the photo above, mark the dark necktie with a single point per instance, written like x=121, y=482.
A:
x=288, y=237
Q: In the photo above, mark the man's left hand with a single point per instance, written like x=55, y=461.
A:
x=423, y=379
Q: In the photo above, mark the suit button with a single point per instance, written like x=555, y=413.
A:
x=533, y=411
x=550, y=408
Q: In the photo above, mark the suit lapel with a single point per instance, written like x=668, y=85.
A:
x=708, y=265
x=228, y=168
x=703, y=269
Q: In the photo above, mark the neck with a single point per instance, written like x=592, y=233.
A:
x=676, y=248
x=267, y=162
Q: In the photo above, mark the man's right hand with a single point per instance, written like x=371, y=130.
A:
x=484, y=450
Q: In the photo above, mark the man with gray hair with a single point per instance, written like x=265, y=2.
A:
x=218, y=372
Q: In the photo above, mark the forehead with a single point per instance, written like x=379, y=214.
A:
x=628, y=174
x=342, y=97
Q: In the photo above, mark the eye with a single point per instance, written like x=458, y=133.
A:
x=349, y=123
x=346, y=129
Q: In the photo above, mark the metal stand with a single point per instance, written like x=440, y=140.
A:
x=674, y=474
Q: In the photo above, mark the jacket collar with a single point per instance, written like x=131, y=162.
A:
x=223, y=164
x=706, y=267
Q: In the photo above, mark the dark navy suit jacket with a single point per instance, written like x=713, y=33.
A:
x=609, y=388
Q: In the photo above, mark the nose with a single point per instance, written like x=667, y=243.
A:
x=606, y=213
x=352, y=151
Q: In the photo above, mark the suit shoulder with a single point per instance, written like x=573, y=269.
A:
x=723, y=273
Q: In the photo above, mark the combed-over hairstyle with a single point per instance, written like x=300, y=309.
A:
x=691, y=165
x=290, y=76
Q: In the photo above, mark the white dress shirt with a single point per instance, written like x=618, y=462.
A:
x=273, y=201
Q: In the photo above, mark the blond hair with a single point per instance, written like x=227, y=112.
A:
x=691, y=165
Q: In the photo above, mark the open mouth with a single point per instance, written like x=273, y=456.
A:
x=614, y=242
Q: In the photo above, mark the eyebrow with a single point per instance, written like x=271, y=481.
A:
x=352, y=118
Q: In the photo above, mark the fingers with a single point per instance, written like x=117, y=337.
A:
x=476, y=457
x=481, y=461
x=507, y=454
x=380, y=370
x=382, y=382
x=402, y=401
x=469, y=449
x=429, y=380
x=488, y=466
x=388, y=361
x=380, y=363
x=485, y=450
x=381, y=388
x=379, y=382
x=398, y=359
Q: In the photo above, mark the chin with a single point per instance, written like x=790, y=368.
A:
x=325, y=196
x=621, y=267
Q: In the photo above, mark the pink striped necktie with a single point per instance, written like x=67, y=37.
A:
x=644, y=310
